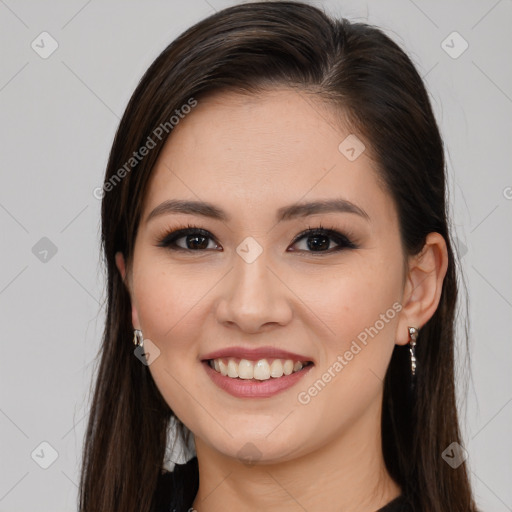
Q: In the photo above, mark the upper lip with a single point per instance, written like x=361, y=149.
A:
x=255, y=354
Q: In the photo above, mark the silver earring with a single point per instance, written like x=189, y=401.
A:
x=138, y=339
x=413, y=333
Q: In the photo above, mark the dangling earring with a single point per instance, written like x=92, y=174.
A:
x=138, y=339
x=413, y=333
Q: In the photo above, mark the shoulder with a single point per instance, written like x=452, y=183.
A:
x=177, y=489
x=399, y=504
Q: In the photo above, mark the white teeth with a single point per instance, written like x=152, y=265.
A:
x=276, y=369
x=245, y=369
x=288, y=367
x=223, y=368
x=262, y=370
x=259, y=370
x=232, y=369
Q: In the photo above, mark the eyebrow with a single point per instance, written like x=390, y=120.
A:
x=289, y=212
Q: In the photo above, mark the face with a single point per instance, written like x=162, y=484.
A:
x=253, y=277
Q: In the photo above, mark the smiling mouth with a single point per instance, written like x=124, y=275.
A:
x=260, y=370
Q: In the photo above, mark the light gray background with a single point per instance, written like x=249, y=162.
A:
x=58, y=118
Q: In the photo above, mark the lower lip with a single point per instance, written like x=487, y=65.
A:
x=242, y=388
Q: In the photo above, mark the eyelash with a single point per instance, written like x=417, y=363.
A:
x=169, y=239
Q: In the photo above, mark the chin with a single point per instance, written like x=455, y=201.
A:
x=252, y=450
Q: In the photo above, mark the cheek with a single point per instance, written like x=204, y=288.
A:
x=346, y=306
x=361, y=310
x=167, y=300
x=354, y=301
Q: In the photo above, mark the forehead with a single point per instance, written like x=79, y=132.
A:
x=257, y=152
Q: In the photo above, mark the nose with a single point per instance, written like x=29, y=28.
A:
x=254, y=297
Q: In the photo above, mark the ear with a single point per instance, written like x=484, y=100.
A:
x=423, y=286
x=121, y=266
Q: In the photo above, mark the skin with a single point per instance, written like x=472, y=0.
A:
x=250, y=155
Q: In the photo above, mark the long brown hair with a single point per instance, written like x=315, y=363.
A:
x=357, y=69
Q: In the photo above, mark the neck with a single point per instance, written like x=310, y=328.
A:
x=345, y=474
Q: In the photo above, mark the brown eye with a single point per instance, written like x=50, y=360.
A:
x=194, y=239
x=319, y=240
x=316, y=240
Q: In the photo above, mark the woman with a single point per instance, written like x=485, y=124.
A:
x=276, y=239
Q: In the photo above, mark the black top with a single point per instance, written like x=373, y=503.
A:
x=168, y=500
